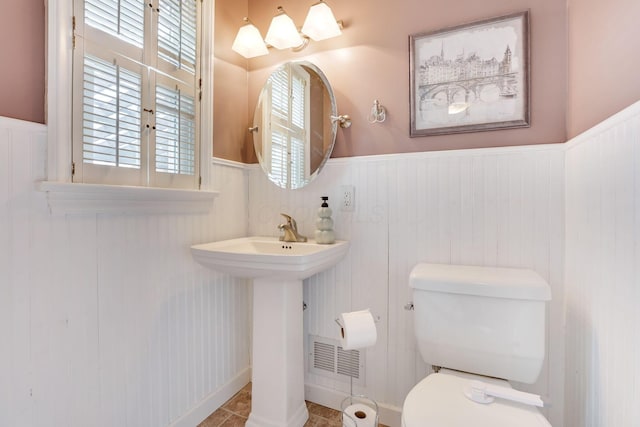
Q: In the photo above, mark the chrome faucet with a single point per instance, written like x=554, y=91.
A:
x=290, y=230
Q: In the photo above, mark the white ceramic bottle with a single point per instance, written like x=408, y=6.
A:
x=324, y=224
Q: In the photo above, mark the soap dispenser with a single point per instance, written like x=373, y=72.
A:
x=324, y=224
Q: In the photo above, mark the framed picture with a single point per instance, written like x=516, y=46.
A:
x=472, y=77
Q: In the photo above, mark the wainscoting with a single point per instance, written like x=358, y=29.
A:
x=494, y=207
x=105, y=319
x=603, y=275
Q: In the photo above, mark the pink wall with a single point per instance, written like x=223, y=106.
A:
x=230, y=109
x=371, y=61
x=22, y=72
x=604, y=60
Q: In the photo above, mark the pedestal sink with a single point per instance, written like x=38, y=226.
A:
x=277, y=269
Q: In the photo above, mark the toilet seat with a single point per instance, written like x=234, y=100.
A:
x=439, y=401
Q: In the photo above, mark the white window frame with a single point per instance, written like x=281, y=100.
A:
x=59, y=92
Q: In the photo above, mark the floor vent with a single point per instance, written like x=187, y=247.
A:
x=330, y=360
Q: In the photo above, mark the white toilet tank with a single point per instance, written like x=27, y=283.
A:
x=483, y=320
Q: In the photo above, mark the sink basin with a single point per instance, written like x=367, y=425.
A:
x=253, y=257
x=277, y=269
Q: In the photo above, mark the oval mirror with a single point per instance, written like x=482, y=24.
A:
x=293, y=130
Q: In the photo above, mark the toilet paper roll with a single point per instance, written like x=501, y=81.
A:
x=358, y=330
x=363, y=415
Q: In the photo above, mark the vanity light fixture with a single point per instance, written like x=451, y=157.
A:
x=320, y=24
x=282, y=33
x=248, y=41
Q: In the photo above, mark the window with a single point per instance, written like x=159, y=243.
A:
x=288, y=153
x=136, y=92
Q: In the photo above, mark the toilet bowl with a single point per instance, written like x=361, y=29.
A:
x=439, y=401
x=479, y=324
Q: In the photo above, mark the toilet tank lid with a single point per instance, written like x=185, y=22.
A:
x=497, y=282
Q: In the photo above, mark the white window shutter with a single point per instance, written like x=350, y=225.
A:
x=177, y=33
x=111, y=120
x=120, y=18
x=136, y=105
x=175, y=131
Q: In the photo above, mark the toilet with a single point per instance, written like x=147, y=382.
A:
x=482, y=326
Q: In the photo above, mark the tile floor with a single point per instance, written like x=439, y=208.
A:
x=235, y=411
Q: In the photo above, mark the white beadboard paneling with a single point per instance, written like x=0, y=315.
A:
x=602, y=292
x=109, y=321
x=83, y=314
x=634, y=136
x=481, y=221
x=491, y=211
x=369, y=286
x=106, y=319
x=498, y=207
x=554, y=260
x=7, y=389
x=17, y=139
x=411, y=236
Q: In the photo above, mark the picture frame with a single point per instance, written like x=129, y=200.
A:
x=471, y=77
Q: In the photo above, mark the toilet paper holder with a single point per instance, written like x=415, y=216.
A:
x=360, y=410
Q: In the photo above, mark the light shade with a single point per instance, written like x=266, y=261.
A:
x=282, y=33
x=249, y=43
x=320, y=23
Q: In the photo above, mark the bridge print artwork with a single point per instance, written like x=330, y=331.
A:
x=469, y=78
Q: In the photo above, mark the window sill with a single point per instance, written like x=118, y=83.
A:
x=68, y=198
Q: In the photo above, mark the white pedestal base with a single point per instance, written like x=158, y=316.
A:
x=277, y=394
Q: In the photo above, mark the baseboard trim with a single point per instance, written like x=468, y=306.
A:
x=389, y=414
x=212, y=402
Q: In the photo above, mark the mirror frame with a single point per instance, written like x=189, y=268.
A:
x=328, y=121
